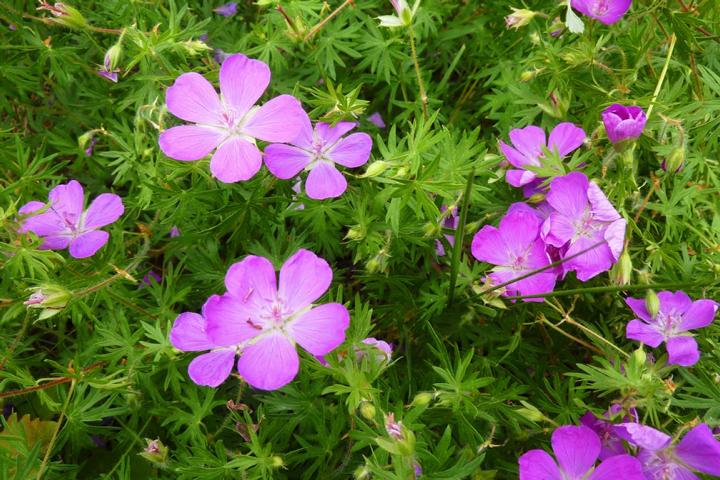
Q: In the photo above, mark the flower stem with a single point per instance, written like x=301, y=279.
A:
x=570, y=336
x=614, y=288
x=325, y=20
x=673, y=39
x=60, y=419
x=459, y=236
x=421, y=83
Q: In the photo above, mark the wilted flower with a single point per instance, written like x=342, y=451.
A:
x=604, y=11
x=676, y=316
x=66, y=225
x=623, y=123
x=50, y=298
x=698, y=451
x=317, y=151
x=393, y=428
x=583, y=219
x=155, y=452
x=404, y=14
x=91, y=147
x=384, y=349
x=64, y=14
x=577, y=448
x=227, y=10
x=675, y=161
x=519, y=17
x=377, y=120
x=231, y=125
x=516, y=248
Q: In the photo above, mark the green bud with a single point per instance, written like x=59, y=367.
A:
x=50, y=298
x=622, y=271
x=530, y=412
x=536, y=197
x=639, y=356
x=528, y=75
x=155, y=452
x=422, y=399
x=277, y=462
x=64, y=14
x=361, y=473
x=356, y=233
x=652, y=303
x=367, y=410
x=675, y=160
x=519, y=18
x=431, y=229
x=372, y=265
x=112, y=57
x=375, y=169
x=406, y=16
x=401, y=172
x=85, y=138
x=195, y=47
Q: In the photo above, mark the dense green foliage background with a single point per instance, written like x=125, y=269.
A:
x=478, y=381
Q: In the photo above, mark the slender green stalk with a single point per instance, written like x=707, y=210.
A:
x=459, y=237
x=421, y=83
x=60, y=419
x=673, y=39
x=570, y=336
x=325, y=20
x=614, y=288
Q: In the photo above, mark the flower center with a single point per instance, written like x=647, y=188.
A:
x=600, y=7
x=669, y=323
x=275, y=314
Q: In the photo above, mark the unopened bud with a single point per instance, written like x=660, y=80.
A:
x=519, y=18
x=622, y=271
x=361, y=473
x=422, y=399
x=195, y=47
x=639, y=356
x=155, y=452
x=530, y=412
x=367, y=410
x=675, y=161
x=375, y=169
x=528, y=75
x=50, y=298
x=536, y=197
x=64, y=14
x=652, y=303
x=372, y=265
x=112, y=57
x=277, y=462
x=356, y=233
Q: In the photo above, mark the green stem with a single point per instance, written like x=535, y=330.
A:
x=459, y=237
x=421, y=83
x=570, y=336
x=673, y=39
x=613, y=288
x=43, y=466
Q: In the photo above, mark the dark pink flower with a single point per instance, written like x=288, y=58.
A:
x=623, y=123
x=604, y=11
x=230, y=125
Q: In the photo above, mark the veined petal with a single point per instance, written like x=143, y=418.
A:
x=516, y=159
x=279, y=120
x=700, y=450
x=682, y=351
x=193, y=99
x=188, y=333
x=325, y=181
x=285, y=161
x=269, y=364
x=619, y=466
x=243, y=81
x=229, y=322
x=700, y=314
x=67, y=200
x=189, y=142
x=637, y=305
x=529, y=141
x=104, y=210
x=212, y=369
x=642, y=332
x=679, y=301
x=352, y=151
x=538, y=465
x=597, y=259
x=88, y=243
x=519, y=178
x=330, y=134
x=601, y=207
x=304, y=278
x=235, y=160
x=488, y=246
x=519, y=230
x=252, y=281
x=576, y=448
x=322, y=329
x=568, y=194
x=566, y=138
x=44, y=224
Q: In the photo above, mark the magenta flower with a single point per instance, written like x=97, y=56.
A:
x=698, y=451
x=527, y=149
x=377, y=120
x=263, y=321
x=227, y=10
x=611, y=442
x=604, y=11
x=174, y=232
x=582, y=219
x=577, y=449
x=450, y=222
x=65, y=224
x=318, y=151
x=517, y=249
x=231, y=124
x=623, y=123
x=677, y=315
x=384, y=349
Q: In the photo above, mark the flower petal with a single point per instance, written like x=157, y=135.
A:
x=252, y=280
x=568, y=194
x=516, y=158
x=330, y=134
x=188, y=333
x=279, y=120
x=601, y=207
x=352, y=151
x=30, y=207
x=519, y=230
x=682, y=351
x=44, y=224
x=566, y=138
x=642, y=332
x=529, y=141
x=519, y=178
x=700, y=314
x=304, y=278
x=700, y=450
x=615, y=237
x=597, y=259
x=538, y=465
x=269, y=364
x=189, y=142
x=285, y=161
x=620, y=466
x=212, y=369
x=679, y=302
x=229, y=321
x=88, y=243
x=489, y=246
x=558, y=229
x=193, y=99
x=576, y=448
x=235, y=160
x=325, y=181
x=56, y=242
x=322, y=329
x=67, y=200
x=642, y=436
x=637, y=305
x=242, y=82
x=104, y=210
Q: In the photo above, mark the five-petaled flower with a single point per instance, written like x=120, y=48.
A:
x=604, y=11
x=516, y=248
x=318, y=151
x=623, y=123
x=262, y=322
x=231, y=123
x=677, y=315
x=583, y=220
x=528, y=150
x=576, y=449
x=65, y=223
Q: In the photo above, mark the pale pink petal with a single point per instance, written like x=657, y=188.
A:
x=642, y=332
x=252, y=280
x=322, y=329
x=188, y=333
x=229, y=321
x=235, y=160
x=104, y=210
x=700, y=314
x=538, y=465
x=269, y=364
x=325, y=181
x=568, y=194
x=279, y=120
x=285, y=161
x=330, y=134
x=242, y=82
x=212, y=369
x=67, y=200
x=88, y=243
x=566, y=138
x=193, y=99
x=352, y=151
x=576, y=448
x=189, y=142
x=488, y=246
x=682, y=351
x=304, y=278
x=529, y=141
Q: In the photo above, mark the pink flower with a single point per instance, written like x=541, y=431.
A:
x=384, y=349
x=623, y=123
x=231, y=124
x=318, y=151
x=65, y=224
x=227, y=10
x=377, y=120
x=604, y=11
x=262, y=322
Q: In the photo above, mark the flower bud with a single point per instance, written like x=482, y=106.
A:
x=623, y=123
x=356, y=233
x=277, y=462
x=155, y=452
x=367, y=410
x=50, y=298
x=375, y=169
x=639, y=356
x=401, y=172
x=622, y=271
x=195, y=47
x=112, y=57
x=362, y=473
x=422, y=399
x=519, y=18
x=675, y=161
x=652, y=303
x=528, y=75
x=64, y=14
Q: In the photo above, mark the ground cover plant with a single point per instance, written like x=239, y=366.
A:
x=360, y=239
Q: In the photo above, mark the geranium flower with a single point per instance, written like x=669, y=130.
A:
x=698, y=451
x=227, y=10
x=517, y=249
x=583, y=218
x=404, y=14
x=263, y=321
x=318, y=151
x=231, y=124
x=527, y=150
x=65, y=224
x=604, y=11
x=611, y=442
x=577, y=449
x=623, y=123
x=377, y=120
x=677, y=315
